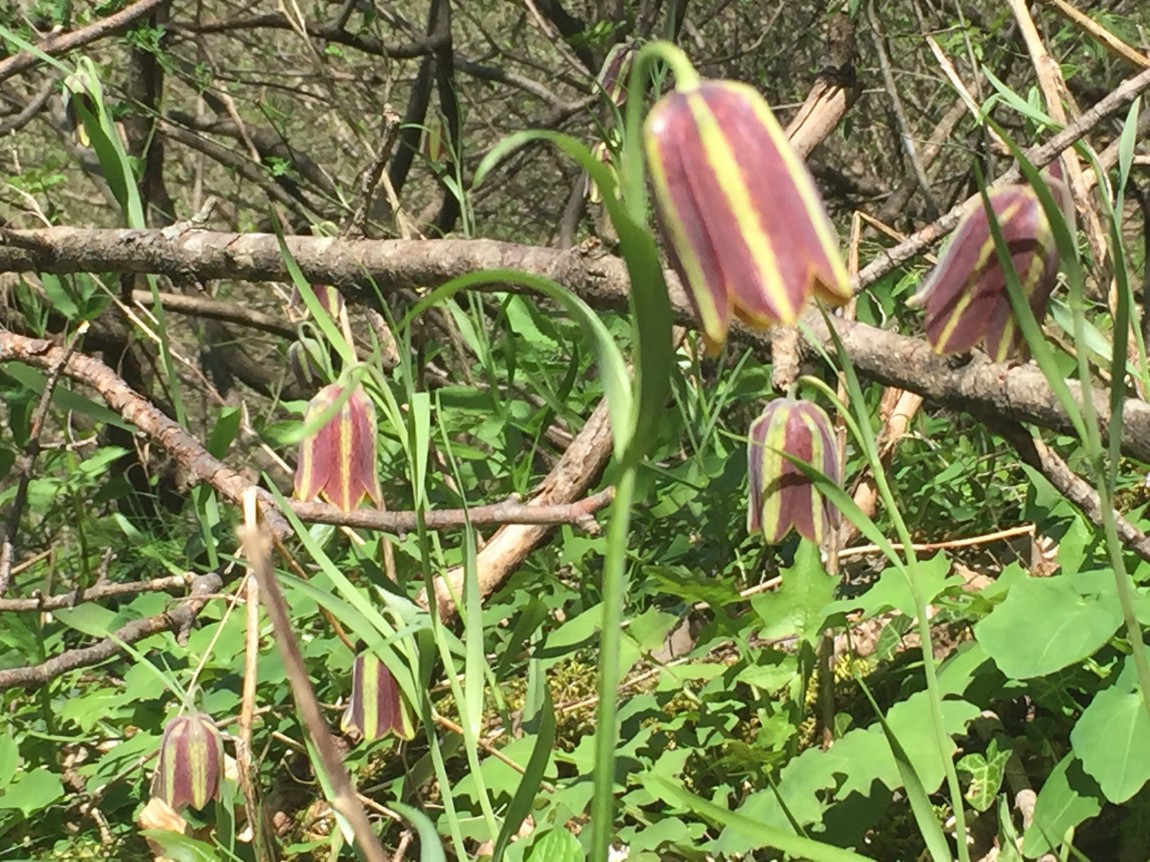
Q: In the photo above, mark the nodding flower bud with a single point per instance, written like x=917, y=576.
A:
x=337, y=461
x=377, y=707
x=965, y=296
x=783, y=497
x=744, y=223
x=616, y=71
x=191, y=762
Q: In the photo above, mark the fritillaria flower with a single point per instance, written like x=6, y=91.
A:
x=377, y=707
x=783, y=497
x=745, y=227
x=337, y=462
x=965, y=296
x=615, y=73
x=191, y=762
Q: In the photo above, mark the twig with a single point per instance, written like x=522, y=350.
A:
x=61, y=43
x=257, y=550
x=96, y=593
x=179, y=619
x=369, y=179
x=1074, y=488
x=1111, y=42
x=904, y=130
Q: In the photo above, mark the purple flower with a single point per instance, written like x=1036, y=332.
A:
x=745, y=227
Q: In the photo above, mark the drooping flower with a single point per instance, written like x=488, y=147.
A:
x=377, y=707
x=337, y=462
x=745, y=226
x=783, y=497
x=191, y=762
x=965, y=296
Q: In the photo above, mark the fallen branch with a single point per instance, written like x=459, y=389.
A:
x=179, y=620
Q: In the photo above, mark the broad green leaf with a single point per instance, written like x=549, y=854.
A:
x=181, y=848
x=1044, y=625
x=31, y=791
x=1112, y=739
x=1067, y=798
x=556, y=845
x=798, y=607
x=918, y=795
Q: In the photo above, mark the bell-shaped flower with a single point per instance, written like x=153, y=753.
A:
x=337, y=461
x=965, y=296
x=783, y=497
x=745, y=226
x=377, y=707
x=191, y=762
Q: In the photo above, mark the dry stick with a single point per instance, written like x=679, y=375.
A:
x=1111, y=42
x=96, y=593
x=1050, y=81
x=60, y=43
x=904, y=130
x=927, y=547
x=1075, y=489
x=257, y=548
x=886, y=357
x=178, y=619
x=27, y=460
x=202, y=467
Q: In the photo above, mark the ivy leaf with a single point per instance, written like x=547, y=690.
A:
x=986, y=772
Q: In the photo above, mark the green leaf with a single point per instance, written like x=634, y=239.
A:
x=1044, y=625
x=798, y=608
x=181, y=848
x=430, y=847
x=31, y=791
x=1068, y=798
x=1112, y=739
x=556, y=845
x=763, y=834
x=916, y=791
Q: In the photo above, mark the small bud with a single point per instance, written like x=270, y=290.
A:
x=602, y=152
x=330, y=300
x=191, y=762
x=616, y=72
x=377, y=707
x=783, y=497
x=965, y=296
x=745, y=226
x=337, y=462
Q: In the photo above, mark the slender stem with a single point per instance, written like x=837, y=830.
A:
x=610, y=641
x=1125, y=594
x=943, y=739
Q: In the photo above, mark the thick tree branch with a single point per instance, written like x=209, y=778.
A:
x=979, y=387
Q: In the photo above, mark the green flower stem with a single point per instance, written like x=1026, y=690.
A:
x=927, y=646
x=686, y=78
x=610, y=642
